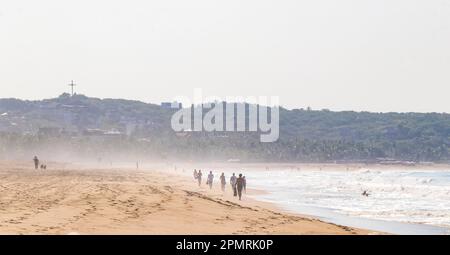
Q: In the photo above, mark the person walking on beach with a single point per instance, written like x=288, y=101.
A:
x=195, y=174
x=36, y=162
x=233, y=184
x=210, y=179
x=240, y=185
x=223, y=182
x=199, y=177
x=245, y=184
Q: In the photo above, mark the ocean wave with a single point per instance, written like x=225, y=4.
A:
x=393, y=195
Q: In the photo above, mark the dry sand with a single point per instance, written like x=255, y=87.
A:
x=72, y=200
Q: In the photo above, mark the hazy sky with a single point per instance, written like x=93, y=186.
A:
x=378, y=55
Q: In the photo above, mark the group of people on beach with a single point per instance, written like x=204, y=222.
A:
x=238, y=184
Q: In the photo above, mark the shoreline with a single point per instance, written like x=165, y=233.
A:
x=252, y=201
x=306, y=220
x=327, y=214
x=88, y=200
x=377, y=226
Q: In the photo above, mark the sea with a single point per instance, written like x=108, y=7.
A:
x=410, y=202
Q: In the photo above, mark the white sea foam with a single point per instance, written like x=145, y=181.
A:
x=411, y=196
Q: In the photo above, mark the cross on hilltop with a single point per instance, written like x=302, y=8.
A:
x=72, y=85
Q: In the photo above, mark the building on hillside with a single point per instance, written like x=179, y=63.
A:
x=173, y=105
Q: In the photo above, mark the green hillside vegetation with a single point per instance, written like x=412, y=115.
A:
x=305, y=135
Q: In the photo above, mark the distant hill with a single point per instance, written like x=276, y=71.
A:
x=101, y=128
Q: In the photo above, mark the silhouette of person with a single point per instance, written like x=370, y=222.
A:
x=240, y=185
x=223, y=182
x=36, y=162
x=233, y=184
x=195, y=174
x=199, y=177
x=210, y=179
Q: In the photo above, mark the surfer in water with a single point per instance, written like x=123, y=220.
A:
x=365, y=193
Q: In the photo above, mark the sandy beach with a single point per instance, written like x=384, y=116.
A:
x=82, y=200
